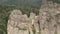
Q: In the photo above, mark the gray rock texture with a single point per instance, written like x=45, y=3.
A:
x=21, y=24
x=17, y=23
x=48, y=18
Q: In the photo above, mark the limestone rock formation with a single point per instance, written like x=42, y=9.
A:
x=47, y=18
x=21, y=24
x=17, y=23
x=47, y=22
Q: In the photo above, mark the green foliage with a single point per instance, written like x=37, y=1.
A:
x=57, y=1
x=39, y=33
x=4, y=14
x=33, y=29
x=21, y=28
x=29, y=32
x=26, y=6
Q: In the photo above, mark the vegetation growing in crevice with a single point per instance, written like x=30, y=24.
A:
x=55, y=29
x=29, y=32
x=21, y=28
x=39, y=33
x=39, y=28
x=33, y=29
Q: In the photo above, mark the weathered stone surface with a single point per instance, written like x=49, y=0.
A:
x=19, y=24
x=48, y=20
x=58, y=23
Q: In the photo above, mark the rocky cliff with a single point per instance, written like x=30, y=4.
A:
x=47, y=22
x=48, y=18
x=21, y=24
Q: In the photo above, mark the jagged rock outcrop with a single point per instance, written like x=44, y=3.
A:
x=17, y=23
x=47, y=18
x=34, y=22
x=47, y=22
x=21, y=24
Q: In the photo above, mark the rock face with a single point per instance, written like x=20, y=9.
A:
x=21, y=24
x=48, y=18
x=17, y=23
x=47, y=22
